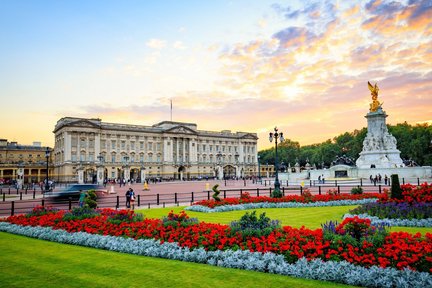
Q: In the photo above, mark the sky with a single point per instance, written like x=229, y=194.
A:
x=250, y=66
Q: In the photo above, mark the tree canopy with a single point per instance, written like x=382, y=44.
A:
x=414, y=142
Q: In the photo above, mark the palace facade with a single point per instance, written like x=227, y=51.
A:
x=22, y=164
x=89, y=150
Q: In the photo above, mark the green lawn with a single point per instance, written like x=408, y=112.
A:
x=310, y=217
x=27, y=262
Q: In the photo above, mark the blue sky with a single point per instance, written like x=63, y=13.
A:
x=239, y=65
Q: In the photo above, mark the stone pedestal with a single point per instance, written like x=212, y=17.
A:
x=379, y=146
x=80, y=172
x=100, y=174
x=143, y=175
x=126, y=173
x=20, y=177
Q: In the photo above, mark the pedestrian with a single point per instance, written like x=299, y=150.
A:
x=132, y=198
x=385, y=179
x=128, y=198
x=319, y=179
x=371, y=178
x=322, y=179
x=83, y=195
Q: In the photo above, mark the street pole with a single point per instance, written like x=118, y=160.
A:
x=276, y=135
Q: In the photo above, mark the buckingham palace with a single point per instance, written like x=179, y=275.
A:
x=89, y=150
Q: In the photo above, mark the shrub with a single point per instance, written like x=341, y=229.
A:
x=245, y=195
x=307, y=195
x=216, y=193
x=181, y=219
x=357, y=190
x=80, y=213
x=125, y=216
x=353, y=230
x=332, y=192
x=396, y=190
x=42, y=210
x=90, y=200
x=276, y=193
x=251, y=225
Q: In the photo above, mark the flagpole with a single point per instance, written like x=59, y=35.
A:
x=171, y=109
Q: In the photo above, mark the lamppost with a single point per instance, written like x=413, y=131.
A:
x=47, y=155
x=218, y=159
x=236, y=158
x=276, y=136
x=259, y=170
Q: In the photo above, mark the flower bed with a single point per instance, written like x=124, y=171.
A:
x=414, y=194
x=393, y=222
x=289, y=199
x=398, y=250
x=342, y=272
x=205, y=209
x=396, y=210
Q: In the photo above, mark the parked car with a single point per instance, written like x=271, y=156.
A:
x=73, y=191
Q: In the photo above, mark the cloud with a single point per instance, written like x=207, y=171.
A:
x=179, y=45
x=156, y=43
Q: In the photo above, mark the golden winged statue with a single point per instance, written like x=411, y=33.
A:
x=374, y=92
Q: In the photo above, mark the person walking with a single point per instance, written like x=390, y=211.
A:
x=128, y=198
x=132, y=198
x=83, y=195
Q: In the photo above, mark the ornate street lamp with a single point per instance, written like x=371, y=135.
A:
x=259, y=170
x=47, y=155
x=276, y=136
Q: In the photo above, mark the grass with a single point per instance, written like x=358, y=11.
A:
x=28, y=262
x=310, y=217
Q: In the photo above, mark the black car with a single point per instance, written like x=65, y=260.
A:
x=74, y=191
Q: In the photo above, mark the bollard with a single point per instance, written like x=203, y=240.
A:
x=70, y=203
x=12, y=208
x=244, y=181
x=20, y=195
x=139, y=200
x=418, y=182
x=283, y=191
x=224, y=194
x=26, y=190
x=379, y=189
x=192, y=196
x=338, y=190
x=310, y=182
x=270, y=191
x=301, y=190
x=4, y=197
x=163, y=204
x=335, y=183
x=17, y=191
x=118, y=202
x=208, y=195
x=241, y=192
x=43, y=203
x=148, y=205
x=361, y=182
x=257, y=192
x=157, y=199
x=403, y=181
x=319, y=190
x=34, y=194
x=175, y=197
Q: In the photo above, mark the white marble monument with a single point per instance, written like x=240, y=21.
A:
x=379, y=146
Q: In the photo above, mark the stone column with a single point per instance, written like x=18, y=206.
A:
x=100, y=174
x=143, y=174
x=80, y=172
